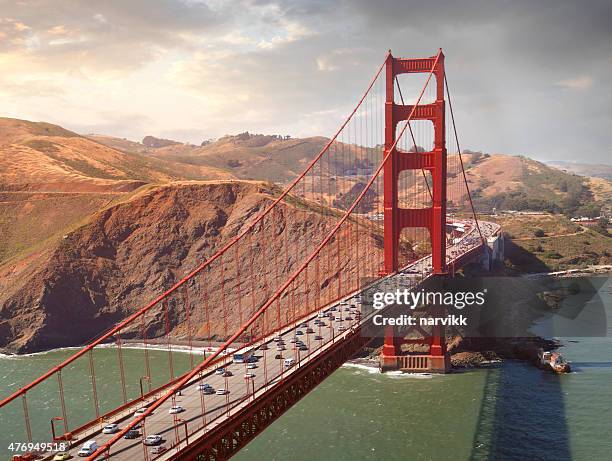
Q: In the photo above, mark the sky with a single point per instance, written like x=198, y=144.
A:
x=526, y=77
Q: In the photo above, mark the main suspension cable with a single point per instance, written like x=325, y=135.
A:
x=450, y=106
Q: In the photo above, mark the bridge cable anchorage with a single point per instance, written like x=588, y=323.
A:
x=450, y=105
x=263, y=309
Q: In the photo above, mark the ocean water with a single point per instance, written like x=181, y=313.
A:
x=509, y=412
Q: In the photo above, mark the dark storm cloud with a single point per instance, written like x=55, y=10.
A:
x=528, y=76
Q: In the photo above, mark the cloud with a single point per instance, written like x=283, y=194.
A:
x=298, y=66
x=58, y=30
x=579, y=83
x=342, y=58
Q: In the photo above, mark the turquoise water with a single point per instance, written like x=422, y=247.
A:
x=44, y=401
x=512, y=412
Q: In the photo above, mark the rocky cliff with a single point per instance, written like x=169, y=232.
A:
x=129, y=253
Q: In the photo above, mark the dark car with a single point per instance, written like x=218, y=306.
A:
x=132, y=434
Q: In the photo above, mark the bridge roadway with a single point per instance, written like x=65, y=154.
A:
x=242, y=391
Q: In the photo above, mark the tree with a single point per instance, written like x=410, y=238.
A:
x=602, y=226
x=539, y=233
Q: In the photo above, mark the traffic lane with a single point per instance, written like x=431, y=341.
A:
x=162, y=424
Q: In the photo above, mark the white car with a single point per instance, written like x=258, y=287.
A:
x=110, y=429
x=289, y=362
x=222, y=391
x=341, y=328
x=249, y=375
x=154, y=439
x=139, y=412
x=251, y=366
x=176, y=409
x=88, y=448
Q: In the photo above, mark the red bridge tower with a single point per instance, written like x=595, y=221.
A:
x=432, y=218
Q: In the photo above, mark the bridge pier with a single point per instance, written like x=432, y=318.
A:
x=436, y=361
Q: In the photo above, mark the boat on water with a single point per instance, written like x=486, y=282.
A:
x=553, y=361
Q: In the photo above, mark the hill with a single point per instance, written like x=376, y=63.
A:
x=250, y=156
x=546, y=242
x=584, y=169
x=508, y=182
x=125, y=254
x=51, y=179
x=40, y=157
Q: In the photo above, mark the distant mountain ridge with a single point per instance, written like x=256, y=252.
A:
x=584, y=169
x=52, y=179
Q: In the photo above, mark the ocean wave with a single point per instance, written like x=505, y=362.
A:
x=374, y=370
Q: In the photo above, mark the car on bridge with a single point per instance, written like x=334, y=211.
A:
x=61, y=456
x=289, y=362
x=208, y=390
x=153, y=439
x=132, y=434
x=88, y=448
x=158, y=450
x=222, y=391
x=176, y=409
x=249, y=375
x=139, y=412
x=110, y=429
x=251, y=366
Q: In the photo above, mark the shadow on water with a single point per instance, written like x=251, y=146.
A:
x=522, y=416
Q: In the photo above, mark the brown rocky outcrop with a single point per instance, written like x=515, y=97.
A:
x=130, y=253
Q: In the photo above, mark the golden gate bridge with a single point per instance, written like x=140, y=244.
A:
x=279, y=305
